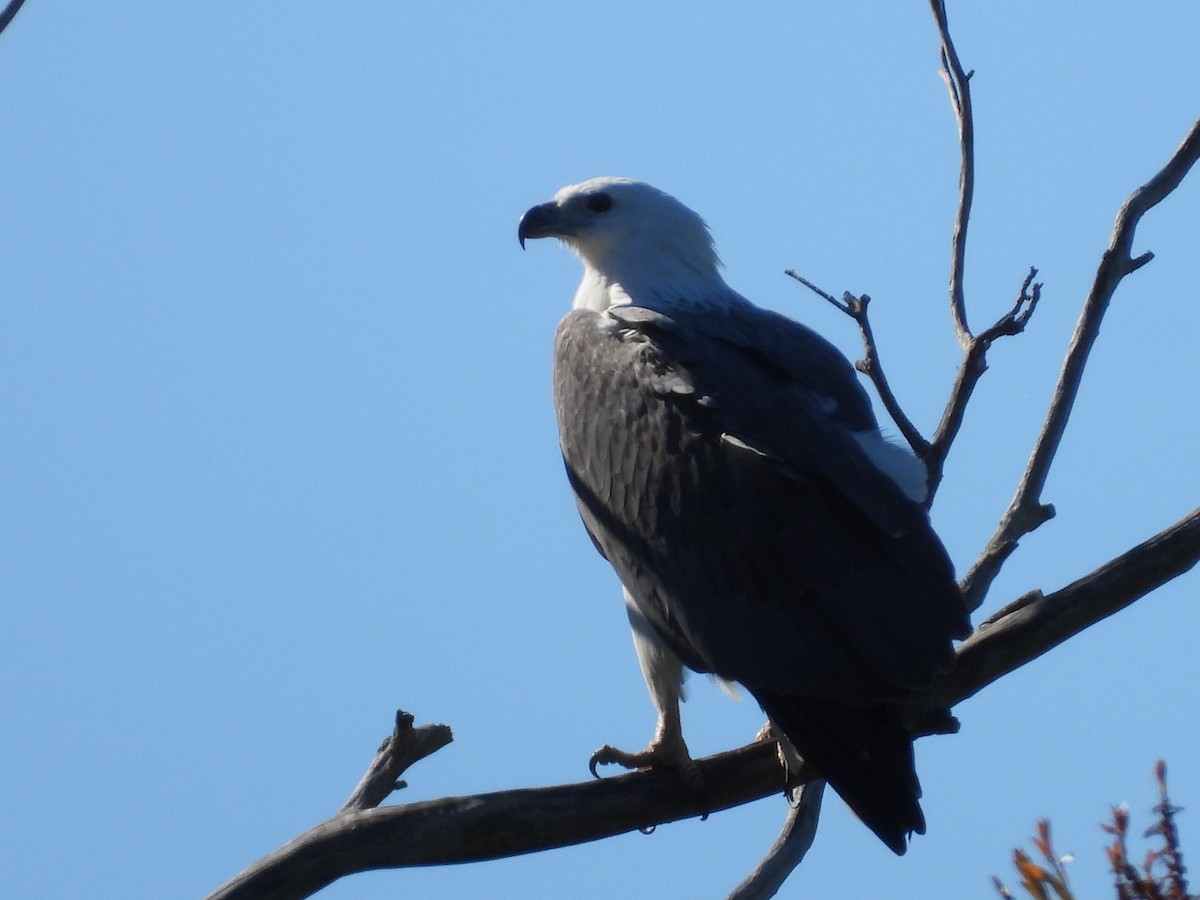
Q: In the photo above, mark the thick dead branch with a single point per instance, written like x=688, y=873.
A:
x=405, y=746
x=510, y=823
x=1027, y=511
x=1035, y=624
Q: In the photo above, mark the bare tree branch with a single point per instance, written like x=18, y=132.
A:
x=9, y=11
x=933, y=452
x=1034, y=624
x=975, y=347
x=958, y=83
x=871, y=365
x=1027, y=511
x=970, y=370
x=402, y=748
x=405, y=746
x=789, y=849
x=974, y=364
x=507, y=823
x=510, y=823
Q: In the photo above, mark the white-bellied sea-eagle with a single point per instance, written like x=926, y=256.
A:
x=727, y=463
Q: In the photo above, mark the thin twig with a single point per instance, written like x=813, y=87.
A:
x=824, y=295
x=1027, y=511
x=958, y=83
x=871, y=365
x=9, y=11
x=789, y=849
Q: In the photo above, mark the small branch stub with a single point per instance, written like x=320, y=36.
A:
x=403, y=747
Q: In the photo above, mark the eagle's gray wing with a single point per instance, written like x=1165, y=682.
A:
x=714, y=463
x=742, y=514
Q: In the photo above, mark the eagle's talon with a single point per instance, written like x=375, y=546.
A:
x=666, y=751
x=602, y=757
x=608, y=755
x=661, y=754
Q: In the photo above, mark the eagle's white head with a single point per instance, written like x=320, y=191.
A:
x=638, y=245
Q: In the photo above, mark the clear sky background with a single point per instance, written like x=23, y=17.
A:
x=278, y=453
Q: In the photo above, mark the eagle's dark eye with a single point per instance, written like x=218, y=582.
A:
x=599, y=203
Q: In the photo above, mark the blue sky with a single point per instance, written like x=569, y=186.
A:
x=279, y=454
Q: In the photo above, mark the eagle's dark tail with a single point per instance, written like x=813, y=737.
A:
x=863, y=752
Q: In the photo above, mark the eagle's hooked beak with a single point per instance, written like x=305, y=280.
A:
x=539, y=222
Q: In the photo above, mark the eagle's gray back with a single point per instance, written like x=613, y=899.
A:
x=739, y=511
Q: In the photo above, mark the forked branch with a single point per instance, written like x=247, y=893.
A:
x=974, y=346
x=974, y=363
x=1027, y=511
x=970, y=370
x=506, y=823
